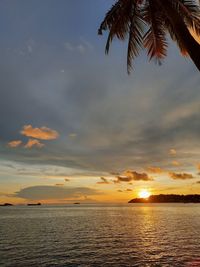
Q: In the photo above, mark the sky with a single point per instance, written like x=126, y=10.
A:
x=74, y=126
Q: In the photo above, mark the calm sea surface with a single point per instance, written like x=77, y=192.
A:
x=97, y=235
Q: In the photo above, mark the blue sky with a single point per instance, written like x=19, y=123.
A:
x=55, y=77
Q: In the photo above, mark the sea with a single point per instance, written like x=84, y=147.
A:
x=143, y=235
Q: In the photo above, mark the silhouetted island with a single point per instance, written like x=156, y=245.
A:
x=6, y=204
x=172, y=198
x=34, y=204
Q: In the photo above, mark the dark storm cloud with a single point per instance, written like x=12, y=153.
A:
x=54, y=192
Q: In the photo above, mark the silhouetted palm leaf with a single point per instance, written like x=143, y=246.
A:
x=135, y=36
x=126, y=19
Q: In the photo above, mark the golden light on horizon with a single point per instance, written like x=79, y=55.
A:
x=144, y=193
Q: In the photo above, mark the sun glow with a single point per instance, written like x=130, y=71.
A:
x=144, y=193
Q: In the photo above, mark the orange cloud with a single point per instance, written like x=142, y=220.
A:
x=42, y=133
x=129, y=190
x=33, y=143
x=154, y=169
x=15, y=143
x=115, y=173
x=176, y=163
x=198, y=166
x=103, y=181
x=136, y=176
x=172, y=151
x=180, y=176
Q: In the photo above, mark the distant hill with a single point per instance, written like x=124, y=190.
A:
x=6, y=204
x=168, y=199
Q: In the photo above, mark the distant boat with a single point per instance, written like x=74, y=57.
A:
x=6, y=204
x=77, y=203
x=34, y=204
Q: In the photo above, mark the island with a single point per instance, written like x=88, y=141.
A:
x=6, y=204
x=34, y=204
x=169, y=198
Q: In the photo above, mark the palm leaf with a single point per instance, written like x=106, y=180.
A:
x=174, y=36
x=155, y=37
x=189, y=10
x=117, y=21
x=135, y=37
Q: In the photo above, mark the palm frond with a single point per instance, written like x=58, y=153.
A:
x=174, y=36
x=126, y=18
x=189, y=10
x=135, y=37
x=155, y=38
x=110, y=16
x=117, y=21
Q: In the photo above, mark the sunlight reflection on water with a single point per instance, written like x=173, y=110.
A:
x=95, y=235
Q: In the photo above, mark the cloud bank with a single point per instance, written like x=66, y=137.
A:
x=54, y=192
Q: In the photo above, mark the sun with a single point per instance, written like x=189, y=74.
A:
x=144, y=193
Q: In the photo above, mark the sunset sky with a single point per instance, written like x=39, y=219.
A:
x=74, y=126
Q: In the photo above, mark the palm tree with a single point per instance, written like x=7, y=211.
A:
x=146, y=23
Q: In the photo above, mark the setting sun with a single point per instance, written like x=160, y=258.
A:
x=144, y=193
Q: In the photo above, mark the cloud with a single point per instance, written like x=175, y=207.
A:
x=136, y=176
x=198, y=182
x=42, y=133
x=129, y=176
x=198, y=166
x=129, y=190
x=103, y=181
x=120, y=179
x=180, y=176
x=115, y=173
x=154, y=169
x=67, y=179
x=120, y=123
x=33, y=143
x=172, y=151
x=119, y=190
x=72, y=135
x=68, y=46
x=59, y=184
x=45, y=192
x=15, y=143
x=81, y=48
x=176, y=163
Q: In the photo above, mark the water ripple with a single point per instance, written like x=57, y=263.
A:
x=134, y=235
